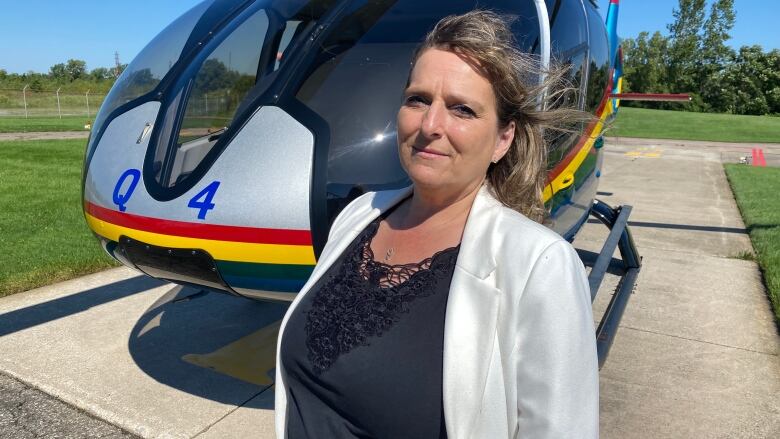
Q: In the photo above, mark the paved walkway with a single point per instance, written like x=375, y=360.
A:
x=697, y=354
x=47, y=135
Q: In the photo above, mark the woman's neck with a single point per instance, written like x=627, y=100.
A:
x=435, y=208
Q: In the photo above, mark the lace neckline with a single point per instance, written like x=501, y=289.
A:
x=391, y=275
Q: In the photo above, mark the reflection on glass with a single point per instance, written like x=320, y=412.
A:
x=242, y=54
x=220, y=85
x=151, y=65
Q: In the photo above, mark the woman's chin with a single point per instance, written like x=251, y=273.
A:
x=426, y=177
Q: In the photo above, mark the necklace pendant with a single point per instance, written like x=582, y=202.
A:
x=389, y=253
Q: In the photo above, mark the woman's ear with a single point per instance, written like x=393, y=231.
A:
x=505, y=137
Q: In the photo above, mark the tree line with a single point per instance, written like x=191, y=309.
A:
x=71, y=76
x=694, y=58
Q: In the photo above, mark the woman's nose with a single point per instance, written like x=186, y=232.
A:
x=433, y=121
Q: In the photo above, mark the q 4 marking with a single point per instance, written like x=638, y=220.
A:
x=120, y=199
x=202, y=200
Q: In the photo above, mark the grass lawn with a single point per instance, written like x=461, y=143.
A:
x=44, y=237
x=756, y=192
x=15, y=124
x=661, y=124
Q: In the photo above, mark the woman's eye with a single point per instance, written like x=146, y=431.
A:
x=414, y=100
x=464, y=110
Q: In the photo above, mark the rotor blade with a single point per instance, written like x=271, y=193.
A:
x=669, y=97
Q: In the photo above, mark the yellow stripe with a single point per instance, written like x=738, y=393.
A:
x=554, y=186
x=221, y=250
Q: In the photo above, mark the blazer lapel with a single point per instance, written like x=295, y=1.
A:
x=470, y=322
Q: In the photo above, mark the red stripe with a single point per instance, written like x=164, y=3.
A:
x=201, y=231
x=559, y=168
x=667, y=97
x=754, y=156
x=761, y=159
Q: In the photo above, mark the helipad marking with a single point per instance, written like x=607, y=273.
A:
x=250, y=358
x=646, y=152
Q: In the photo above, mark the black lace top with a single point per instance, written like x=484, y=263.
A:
x=363, y=349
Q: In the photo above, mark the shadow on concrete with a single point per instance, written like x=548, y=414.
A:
x=206, y=344
x=737, y=230
x=589, y=258
x=38, y=314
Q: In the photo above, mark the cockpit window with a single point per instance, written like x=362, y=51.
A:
x=220, y=85
x=356, y=83
x=250, y=49
x=150, y=66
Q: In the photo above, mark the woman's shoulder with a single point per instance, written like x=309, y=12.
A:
x=518, y=231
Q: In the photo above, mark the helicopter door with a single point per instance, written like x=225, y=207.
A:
x=569, y=36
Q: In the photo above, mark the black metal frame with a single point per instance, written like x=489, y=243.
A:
x=616, y=219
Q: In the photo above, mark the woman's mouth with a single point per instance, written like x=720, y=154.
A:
x=428, y=152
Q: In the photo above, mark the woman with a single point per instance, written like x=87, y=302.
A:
x=442, y=310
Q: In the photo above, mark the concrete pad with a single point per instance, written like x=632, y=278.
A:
x=255, y=419
x=114, y=344
x=703, y=298
x=657, y=386
x=697, y=354
x=697, y=350
x=683, y=205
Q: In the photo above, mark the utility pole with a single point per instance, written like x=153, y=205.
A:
x=59, y=111
x=24, y=97
x=118, y=68
x=87, y=104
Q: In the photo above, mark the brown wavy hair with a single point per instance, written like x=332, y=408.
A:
x=541, y=109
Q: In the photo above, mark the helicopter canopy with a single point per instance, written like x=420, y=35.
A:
x=338, y=66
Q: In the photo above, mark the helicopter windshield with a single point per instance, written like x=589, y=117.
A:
x=363, y=65
x=146, y=71
x=250, y=48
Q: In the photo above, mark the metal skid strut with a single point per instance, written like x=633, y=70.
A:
x=616, y=219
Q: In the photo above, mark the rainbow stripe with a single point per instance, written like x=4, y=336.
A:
x=247, y=257
x=571, y=166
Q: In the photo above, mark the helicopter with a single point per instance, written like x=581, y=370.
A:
x=227, y=147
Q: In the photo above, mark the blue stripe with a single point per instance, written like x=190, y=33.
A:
x=255, y=283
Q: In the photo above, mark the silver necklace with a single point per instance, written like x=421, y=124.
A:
x=391, y=250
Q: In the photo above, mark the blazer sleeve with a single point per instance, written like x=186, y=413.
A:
x=557, y=365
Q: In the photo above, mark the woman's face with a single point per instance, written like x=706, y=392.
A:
x=448, y=129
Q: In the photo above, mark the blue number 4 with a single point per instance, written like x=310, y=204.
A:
x=203, y=199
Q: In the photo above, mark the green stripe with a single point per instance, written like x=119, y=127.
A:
x=580, y=176
x=270, y=271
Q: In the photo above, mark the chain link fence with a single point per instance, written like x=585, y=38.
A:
x=48, y=103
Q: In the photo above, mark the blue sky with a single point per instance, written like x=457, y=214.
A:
x=36, y=34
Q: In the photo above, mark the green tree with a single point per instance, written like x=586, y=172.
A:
x=684, y=50
x=70, y=71
x=59, y=72
x=751, y=84
x=772, y=86
x=716, y=55
x=714, y=51
x=76, y=69
x=101, y=74
x=644, y=65
x=36, y=84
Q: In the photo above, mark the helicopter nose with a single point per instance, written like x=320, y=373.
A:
x=241, y=222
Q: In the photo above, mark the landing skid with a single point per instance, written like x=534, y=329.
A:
x=616, y=219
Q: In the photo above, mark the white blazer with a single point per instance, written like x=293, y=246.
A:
x=519, y=340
